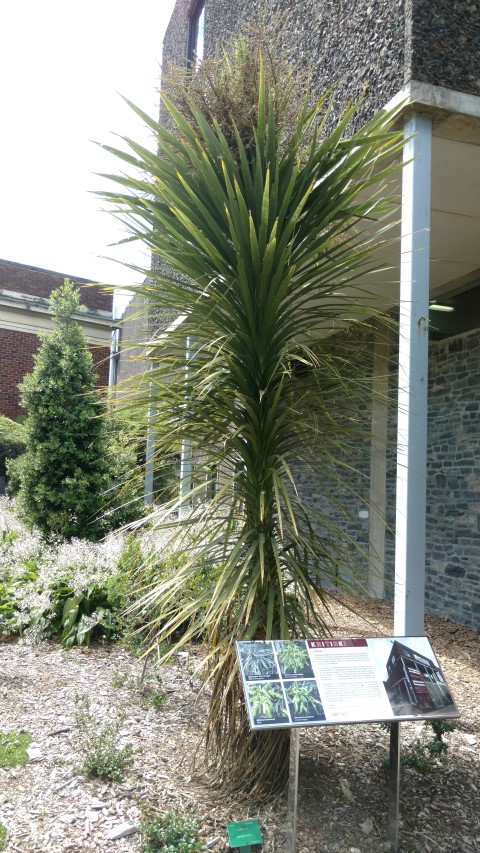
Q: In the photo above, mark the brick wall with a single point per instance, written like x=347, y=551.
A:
x=16, y=359
x=37, y=282
x=17, y=348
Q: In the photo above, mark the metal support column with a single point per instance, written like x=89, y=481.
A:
x=413, y=378
x=412, y=411
x=148, y=493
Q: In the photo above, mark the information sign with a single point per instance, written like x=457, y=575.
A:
x=243, y=833
x=329, y=681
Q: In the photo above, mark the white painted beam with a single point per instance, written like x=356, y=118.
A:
x=413, y=379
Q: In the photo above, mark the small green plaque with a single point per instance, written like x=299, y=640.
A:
x=243, y=833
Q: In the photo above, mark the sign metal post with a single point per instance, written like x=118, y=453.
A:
x=394, y=786
x=291, y=841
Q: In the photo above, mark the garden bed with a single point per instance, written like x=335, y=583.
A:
x=49, y=805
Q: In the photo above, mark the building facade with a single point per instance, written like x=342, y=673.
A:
x=414, y=683
x=24, y=312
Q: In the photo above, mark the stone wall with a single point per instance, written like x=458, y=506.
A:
x=453, y=487
x=453, y=484
x=378, y=44
x=355, y=45
x=133, y=336
x=443, y=43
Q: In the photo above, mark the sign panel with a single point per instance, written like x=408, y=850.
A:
x=330, y=681
x=244, y=832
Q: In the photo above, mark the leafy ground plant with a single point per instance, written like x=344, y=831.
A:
x=422, y=754
x=3, y=836
x=101, y=757
x=172, y=832
x=13, y=748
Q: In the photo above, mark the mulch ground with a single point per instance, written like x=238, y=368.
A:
x=49, y=805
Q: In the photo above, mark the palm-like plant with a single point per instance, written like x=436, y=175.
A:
x=259, y=242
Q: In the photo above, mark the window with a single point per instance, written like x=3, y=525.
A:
x=196, y=31
x=211, y=482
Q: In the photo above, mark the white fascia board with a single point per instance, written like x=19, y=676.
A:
x=40, y=305
x=435, y=97
x=32, y=321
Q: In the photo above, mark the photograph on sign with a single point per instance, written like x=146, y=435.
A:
x=304, y=701
x=326, y=681
x=293, y=658
x=267, y=705
x=258, y=661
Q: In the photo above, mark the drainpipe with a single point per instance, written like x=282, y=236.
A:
x=114, y=354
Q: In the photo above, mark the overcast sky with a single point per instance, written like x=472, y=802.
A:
x=62, y=66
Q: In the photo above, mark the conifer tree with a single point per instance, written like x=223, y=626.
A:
x=63, y=476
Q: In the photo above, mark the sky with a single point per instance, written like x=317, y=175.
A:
x=64, y=67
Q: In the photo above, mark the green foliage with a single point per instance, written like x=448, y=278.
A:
x=11, y=588
x=63, y=474
x=100, y=755
x=12, y=441
x=422, y=753
x=13, y=748
x=86, y=614
x=261, y=232
x=303, y=697
x=146, y=570
x=3, y=836
x=292, y=657
x=72, y=589
x=124, y=493
x=266, y=700
x=171, y=832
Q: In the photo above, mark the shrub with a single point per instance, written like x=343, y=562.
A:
x=63, y=474
x=101, y=757
x=172, y=832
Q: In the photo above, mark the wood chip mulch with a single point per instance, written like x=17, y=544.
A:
x=48, y=805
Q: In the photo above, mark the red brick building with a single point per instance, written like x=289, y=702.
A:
x=24, y=311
